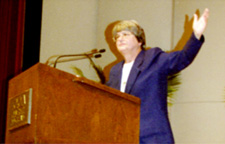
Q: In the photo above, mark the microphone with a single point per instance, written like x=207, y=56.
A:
x=101, y=51
x=93, y=53
x=97, y=68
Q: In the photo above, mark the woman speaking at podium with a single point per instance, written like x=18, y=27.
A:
x=143, y=73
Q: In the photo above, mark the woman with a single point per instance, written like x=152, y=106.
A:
x=143, y=73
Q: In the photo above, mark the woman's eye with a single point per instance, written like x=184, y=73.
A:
x=126, y=34
x=116, y=37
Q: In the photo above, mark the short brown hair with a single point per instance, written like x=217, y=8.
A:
x=133, y=27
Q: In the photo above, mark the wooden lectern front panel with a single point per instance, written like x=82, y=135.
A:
x=67, y=109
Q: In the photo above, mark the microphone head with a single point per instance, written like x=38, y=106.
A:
x=101, y=50
x=97, y=55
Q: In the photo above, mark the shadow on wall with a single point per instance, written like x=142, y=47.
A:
x=187, y=32
x=112, y=46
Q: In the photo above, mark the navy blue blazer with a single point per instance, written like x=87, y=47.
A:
x=148, y=81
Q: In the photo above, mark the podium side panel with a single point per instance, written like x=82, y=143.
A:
x=18, y=85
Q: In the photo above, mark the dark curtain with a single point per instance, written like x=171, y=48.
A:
x=12, y=15
x=32, y=33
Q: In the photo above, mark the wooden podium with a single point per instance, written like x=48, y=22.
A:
x=47, y=105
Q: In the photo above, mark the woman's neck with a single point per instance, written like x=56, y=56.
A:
x=131, y=56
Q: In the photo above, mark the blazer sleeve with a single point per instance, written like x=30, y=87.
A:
x=179, y=60
x=115, y=76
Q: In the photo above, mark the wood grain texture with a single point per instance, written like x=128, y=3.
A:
x=68, y=109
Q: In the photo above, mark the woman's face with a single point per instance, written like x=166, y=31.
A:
x=127, y=42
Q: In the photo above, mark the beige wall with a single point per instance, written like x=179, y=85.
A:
x=198, y=112
x=69, y=27
x=77, y=26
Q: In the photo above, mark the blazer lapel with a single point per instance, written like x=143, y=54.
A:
x=117, y=76
x=135, y=71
